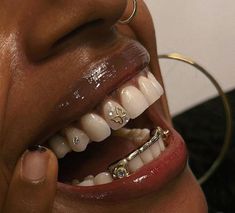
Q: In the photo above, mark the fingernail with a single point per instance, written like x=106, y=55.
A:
x=35, y=163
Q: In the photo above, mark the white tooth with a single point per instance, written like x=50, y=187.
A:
x=95, y=127
x=155, y=149
x=150, y=92
x=89, y=182
x=146, y=156
x=161, y=144
x=115, y=115
x=133, y=101
x=138, y=136
x=59, y=146
x=135, y=164
x=155, y=83
x=103, y=178
x=77, y=139
x=75, y=182
x=141, y=136
x=89, y=177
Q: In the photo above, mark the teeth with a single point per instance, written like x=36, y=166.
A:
x=103, y=178
x=138, y=136
x=95, y=127
x=115, y=115
x=77, y=139
x=89, y=182
x=133, y=101
x=155, y=82
x=155, y=150
x=59, y=146
x=89, y=177
x=135, y=164
x=146, y=156
x=150, y=91
x=75, y=182
x=161, y=144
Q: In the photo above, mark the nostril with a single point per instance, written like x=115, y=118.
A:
x=77, y=31
x=65, y=22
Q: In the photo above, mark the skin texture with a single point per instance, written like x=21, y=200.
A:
x=37, y=58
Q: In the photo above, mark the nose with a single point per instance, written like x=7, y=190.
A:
x=53, y=23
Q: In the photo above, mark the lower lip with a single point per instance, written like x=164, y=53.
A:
x=150, y=178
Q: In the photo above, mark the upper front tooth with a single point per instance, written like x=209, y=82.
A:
x=95, y=127
x=133, y=101
x=59, y=145
x=115, y=115
x=77, y=139
x=150, y=91
x=155, y=83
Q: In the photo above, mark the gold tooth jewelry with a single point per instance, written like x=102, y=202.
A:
x=119, y=116
x=120, y=168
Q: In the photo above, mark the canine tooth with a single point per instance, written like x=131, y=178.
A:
x=59, y=145
x=89, y=182
x=77, y=139
x=155, y=82
x=115, y=115
x=151, y=92
x=133, y=101
x=103, y=178
x=146, y=156
x=135, y=164
x=95, y=127
x=161, y=144
x=155, y=149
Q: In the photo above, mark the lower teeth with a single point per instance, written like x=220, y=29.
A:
x=131, y=163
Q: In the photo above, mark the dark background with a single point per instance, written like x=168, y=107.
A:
x=203, y=128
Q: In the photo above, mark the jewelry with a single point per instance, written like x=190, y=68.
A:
x=120, y=169
x=118, y=115
x=128, y=20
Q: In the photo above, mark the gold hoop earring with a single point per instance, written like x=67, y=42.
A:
x=227, y=108
x=128, y=20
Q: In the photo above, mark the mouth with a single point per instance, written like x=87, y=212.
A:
x=122, y=144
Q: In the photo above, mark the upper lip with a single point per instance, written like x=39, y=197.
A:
x=100, y=78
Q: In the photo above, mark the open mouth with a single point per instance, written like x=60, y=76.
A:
x=122, y=144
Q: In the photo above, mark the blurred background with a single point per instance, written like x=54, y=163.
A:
x=205, y=32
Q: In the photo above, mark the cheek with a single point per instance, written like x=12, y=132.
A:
x=183, y=195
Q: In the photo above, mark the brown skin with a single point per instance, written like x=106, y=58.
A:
x=30, y=64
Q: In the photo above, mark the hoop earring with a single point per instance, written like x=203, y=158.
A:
x=227, y=108
x=128, y=20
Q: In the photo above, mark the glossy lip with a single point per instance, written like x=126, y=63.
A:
x=100, y=78
x=150, y=178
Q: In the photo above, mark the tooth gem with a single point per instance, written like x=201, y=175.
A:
x=76, y=140
x=120, y=172
x=118, y=115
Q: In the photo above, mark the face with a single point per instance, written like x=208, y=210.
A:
x=70, y=75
